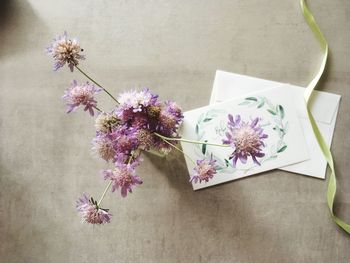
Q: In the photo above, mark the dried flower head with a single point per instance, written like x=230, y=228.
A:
x=81, y=94
x=105, y=122
x=245, y=138
x=103, y=145
x=204, y=170
x=90, y=211
x=65, y=50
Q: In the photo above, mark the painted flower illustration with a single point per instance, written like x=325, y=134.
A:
x=246, y=138
x=204, y=171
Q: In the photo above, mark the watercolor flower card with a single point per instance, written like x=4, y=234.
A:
x=258, y=132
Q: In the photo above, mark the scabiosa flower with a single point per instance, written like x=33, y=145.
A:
x=90, y=212
x=133, y=101
x=170, y=118
x=81, y=94
x=245, y=138
x=105, y=122
x=103, y=145
x=137, y=100
x=65, y=50
x=123, y=177
x=174, y=109
x=125, y=139
x=204, y=171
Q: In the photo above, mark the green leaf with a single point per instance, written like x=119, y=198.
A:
x=204, y=147
x=271, y=158
x=282, y=149
x=244, y=103
x=252, y=98
x=272, y=112
x=207, y=119
x=281, y=111
x=261, y=104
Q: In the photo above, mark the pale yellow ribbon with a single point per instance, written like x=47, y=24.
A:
x=332, y=184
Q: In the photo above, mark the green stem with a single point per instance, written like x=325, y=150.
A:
x=104, y=192
x=86, y=75
x=97, y=108
x=189, y=141
x=177, y=148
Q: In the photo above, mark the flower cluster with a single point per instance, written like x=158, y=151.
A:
x=139, y=122
x=245, y=138
x=131, y=127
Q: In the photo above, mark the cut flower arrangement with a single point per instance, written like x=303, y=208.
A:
x=140, y=122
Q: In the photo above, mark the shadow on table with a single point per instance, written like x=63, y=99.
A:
x=222, y=215
x=19, y=27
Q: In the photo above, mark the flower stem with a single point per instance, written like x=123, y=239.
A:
x=104, y=192
x=177, y=148
x=86, y=75
x=97, y=108
x=189, y=141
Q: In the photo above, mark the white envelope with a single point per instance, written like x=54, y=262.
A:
x=324, y=107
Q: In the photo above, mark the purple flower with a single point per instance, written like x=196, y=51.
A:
x=81, y=94
x=245, y=138
x=204, y=171
x=174, y=109
x=134, y=101
x=123, y=177
x=125, y=139
x=90, y=212
x=170, y=118
x=65, y=50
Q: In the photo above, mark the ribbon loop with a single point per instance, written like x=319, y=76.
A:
x=332, y=184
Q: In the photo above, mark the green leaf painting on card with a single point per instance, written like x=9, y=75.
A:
x=280, y=111
x=204, y=147
x=251, y=98
x=282, y=149
x=272, y=112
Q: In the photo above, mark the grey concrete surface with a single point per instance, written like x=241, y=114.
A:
x=174, y=47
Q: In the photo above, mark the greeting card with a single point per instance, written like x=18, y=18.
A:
x=323, y=105
x=262, y=131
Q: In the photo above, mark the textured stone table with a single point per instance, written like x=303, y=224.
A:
x=174, y=47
